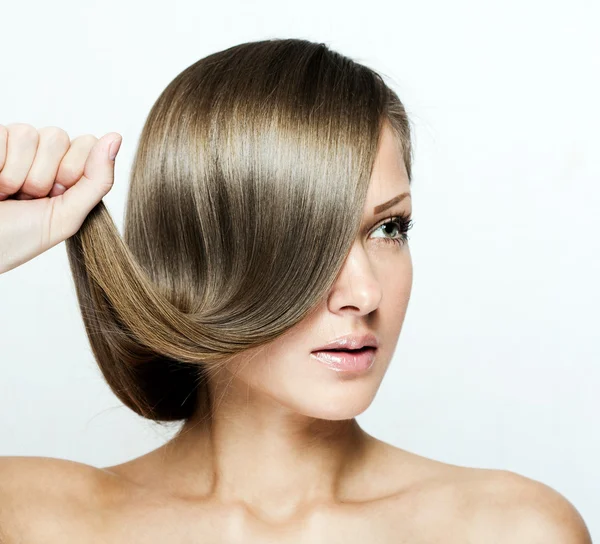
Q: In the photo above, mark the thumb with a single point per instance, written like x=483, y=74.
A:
x=97, y=180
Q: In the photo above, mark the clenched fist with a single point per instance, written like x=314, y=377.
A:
x=48, y=185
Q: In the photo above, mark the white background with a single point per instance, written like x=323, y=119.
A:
x=498, y=361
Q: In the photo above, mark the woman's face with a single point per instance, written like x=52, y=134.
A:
x=371, y=294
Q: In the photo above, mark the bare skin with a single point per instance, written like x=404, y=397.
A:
x=396, y=496
x=404, y=498
x=283, y=458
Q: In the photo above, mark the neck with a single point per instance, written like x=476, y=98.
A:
x=267, y=457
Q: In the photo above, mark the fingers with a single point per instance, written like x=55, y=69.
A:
x=35, y=164
x=73, y=163
x=53, y=144
x=20, y=149
x=3, y=143
x=72, y=207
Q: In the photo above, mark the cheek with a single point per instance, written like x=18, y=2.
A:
x=395, y=276
x=264, y=371
x=396, y=288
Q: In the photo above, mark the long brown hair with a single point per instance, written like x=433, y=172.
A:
x=246, y=194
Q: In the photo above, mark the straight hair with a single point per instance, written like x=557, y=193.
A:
x=246, y=194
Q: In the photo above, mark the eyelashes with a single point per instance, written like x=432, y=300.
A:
x=402, y=223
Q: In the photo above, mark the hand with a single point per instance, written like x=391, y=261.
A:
x=36, y=213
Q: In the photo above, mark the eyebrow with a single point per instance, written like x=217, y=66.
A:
x=390, y=203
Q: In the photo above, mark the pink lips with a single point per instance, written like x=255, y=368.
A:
x=351, y=341
x=353, y=353
x=356, y=361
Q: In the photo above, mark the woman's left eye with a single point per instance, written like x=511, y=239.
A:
x=399, y=223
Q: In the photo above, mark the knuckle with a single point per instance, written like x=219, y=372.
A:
x=55, y=136
x=87, y=139
x=24, y=131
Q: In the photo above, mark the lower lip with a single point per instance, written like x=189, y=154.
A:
x=356, y=362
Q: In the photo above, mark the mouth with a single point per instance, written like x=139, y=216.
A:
x=350, y=342
x=352, y=351
x=349, y=361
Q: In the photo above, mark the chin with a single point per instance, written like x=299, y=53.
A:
x=336, y=411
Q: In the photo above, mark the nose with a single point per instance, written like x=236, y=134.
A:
x=357, y=289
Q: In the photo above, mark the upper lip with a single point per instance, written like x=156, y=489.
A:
x=351, y=341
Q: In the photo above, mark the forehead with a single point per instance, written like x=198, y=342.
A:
x=389, y=176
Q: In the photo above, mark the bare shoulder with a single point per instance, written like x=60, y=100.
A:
x=501, y=506
x=523, y=510
x=480, y=505
x=46, y=490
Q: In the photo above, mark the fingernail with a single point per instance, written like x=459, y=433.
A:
x=114, y=148
x=57, y=190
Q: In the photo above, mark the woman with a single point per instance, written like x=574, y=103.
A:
x=257, y=296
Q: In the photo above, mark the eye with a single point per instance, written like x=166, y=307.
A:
x=400, y=224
